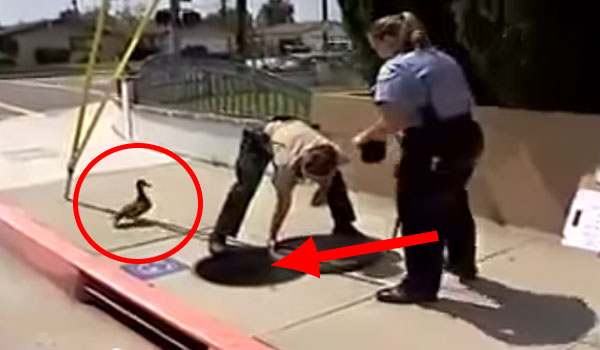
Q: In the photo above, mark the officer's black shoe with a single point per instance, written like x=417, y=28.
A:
x=217, y=244
x=402, y=295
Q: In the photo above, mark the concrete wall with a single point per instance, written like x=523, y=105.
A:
x=532, y=165
x=206, y=137
x=531, y=168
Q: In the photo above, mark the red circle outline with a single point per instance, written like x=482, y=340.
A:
x=116, y=149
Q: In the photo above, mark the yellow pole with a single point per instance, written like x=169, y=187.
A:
x=118, y=73
x=100, y=23
x=78, y=149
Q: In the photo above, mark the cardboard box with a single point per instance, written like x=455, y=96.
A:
x=582, y=227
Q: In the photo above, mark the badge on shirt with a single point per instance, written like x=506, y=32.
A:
x=387, y=71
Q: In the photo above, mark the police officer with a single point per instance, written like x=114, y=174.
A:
x=424, y=98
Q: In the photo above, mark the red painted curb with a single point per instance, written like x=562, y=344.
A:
x=67, y=266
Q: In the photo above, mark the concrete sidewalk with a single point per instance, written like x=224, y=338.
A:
x=534, y=293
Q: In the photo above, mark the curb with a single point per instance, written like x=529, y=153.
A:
x=90, y=278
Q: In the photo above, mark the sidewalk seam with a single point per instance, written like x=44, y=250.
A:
x=143, y=243
x=508, y=250
x=317, y=316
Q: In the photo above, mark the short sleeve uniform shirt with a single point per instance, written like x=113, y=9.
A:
x=410, y=81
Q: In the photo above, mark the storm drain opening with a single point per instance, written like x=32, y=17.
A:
x=146, y=324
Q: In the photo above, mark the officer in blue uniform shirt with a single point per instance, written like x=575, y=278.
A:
x=425, y=100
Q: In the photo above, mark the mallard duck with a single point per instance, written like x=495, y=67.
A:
x=137, y=208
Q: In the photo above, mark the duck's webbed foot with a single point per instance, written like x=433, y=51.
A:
x=117, y=223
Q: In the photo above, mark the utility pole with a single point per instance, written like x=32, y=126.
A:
x=223, y=10
x=75, y=6
x=175, y=43
x=242, y=14
x=325, y=11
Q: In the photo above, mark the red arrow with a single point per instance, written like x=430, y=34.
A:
x=306, y=258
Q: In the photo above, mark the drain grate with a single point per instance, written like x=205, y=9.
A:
x=29, y=154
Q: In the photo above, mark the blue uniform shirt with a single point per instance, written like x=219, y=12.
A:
x=410, y=81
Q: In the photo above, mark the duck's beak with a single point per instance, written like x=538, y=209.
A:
x=148, y=185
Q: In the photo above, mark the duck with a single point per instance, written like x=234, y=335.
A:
x=137, y=208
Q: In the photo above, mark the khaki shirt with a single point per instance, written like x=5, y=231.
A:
x=290, y=139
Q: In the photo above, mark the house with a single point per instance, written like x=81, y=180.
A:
x=308, y=34
x=211, y=36
x=215, y=38
x=67, y=37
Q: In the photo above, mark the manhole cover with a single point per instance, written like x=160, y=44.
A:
x=251, y=266
x=330, y=241
x=244, y=266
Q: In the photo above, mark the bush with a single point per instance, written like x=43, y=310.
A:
x=48, y=55
x=194, y=51
x=84, y=59
x=9, y=46
x=141, y=53
x=163, y=17
x=6, y=61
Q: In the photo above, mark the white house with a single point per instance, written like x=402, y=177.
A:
x=310, y=34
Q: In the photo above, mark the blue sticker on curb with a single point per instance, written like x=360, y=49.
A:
x=154, y=270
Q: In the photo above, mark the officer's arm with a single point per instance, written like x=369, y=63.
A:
x=391, y=121
x=284, y=182
x=390, y=91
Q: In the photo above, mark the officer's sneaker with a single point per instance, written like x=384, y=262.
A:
x=217, y=244
x=465, y=275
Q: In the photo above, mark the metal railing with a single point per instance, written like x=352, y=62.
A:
x=223, y=87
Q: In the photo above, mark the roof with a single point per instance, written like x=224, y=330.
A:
x=83, y=19
x=25, y=27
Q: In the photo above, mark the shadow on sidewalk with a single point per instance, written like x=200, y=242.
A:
x=247, y=265
x=140, y=223
x=523, y=318
x=334, y=241
x=388, y=266
x=143, y=222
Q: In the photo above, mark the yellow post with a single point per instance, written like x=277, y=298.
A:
x=78, y=148
x=118, y=73
x=100, y=23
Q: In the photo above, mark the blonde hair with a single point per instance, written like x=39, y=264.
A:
x=406, y=27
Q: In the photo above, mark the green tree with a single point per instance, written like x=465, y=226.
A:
x=275, y=12
x=359, y=14
x=537, y=54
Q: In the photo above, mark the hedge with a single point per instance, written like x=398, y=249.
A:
x=49, y=55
